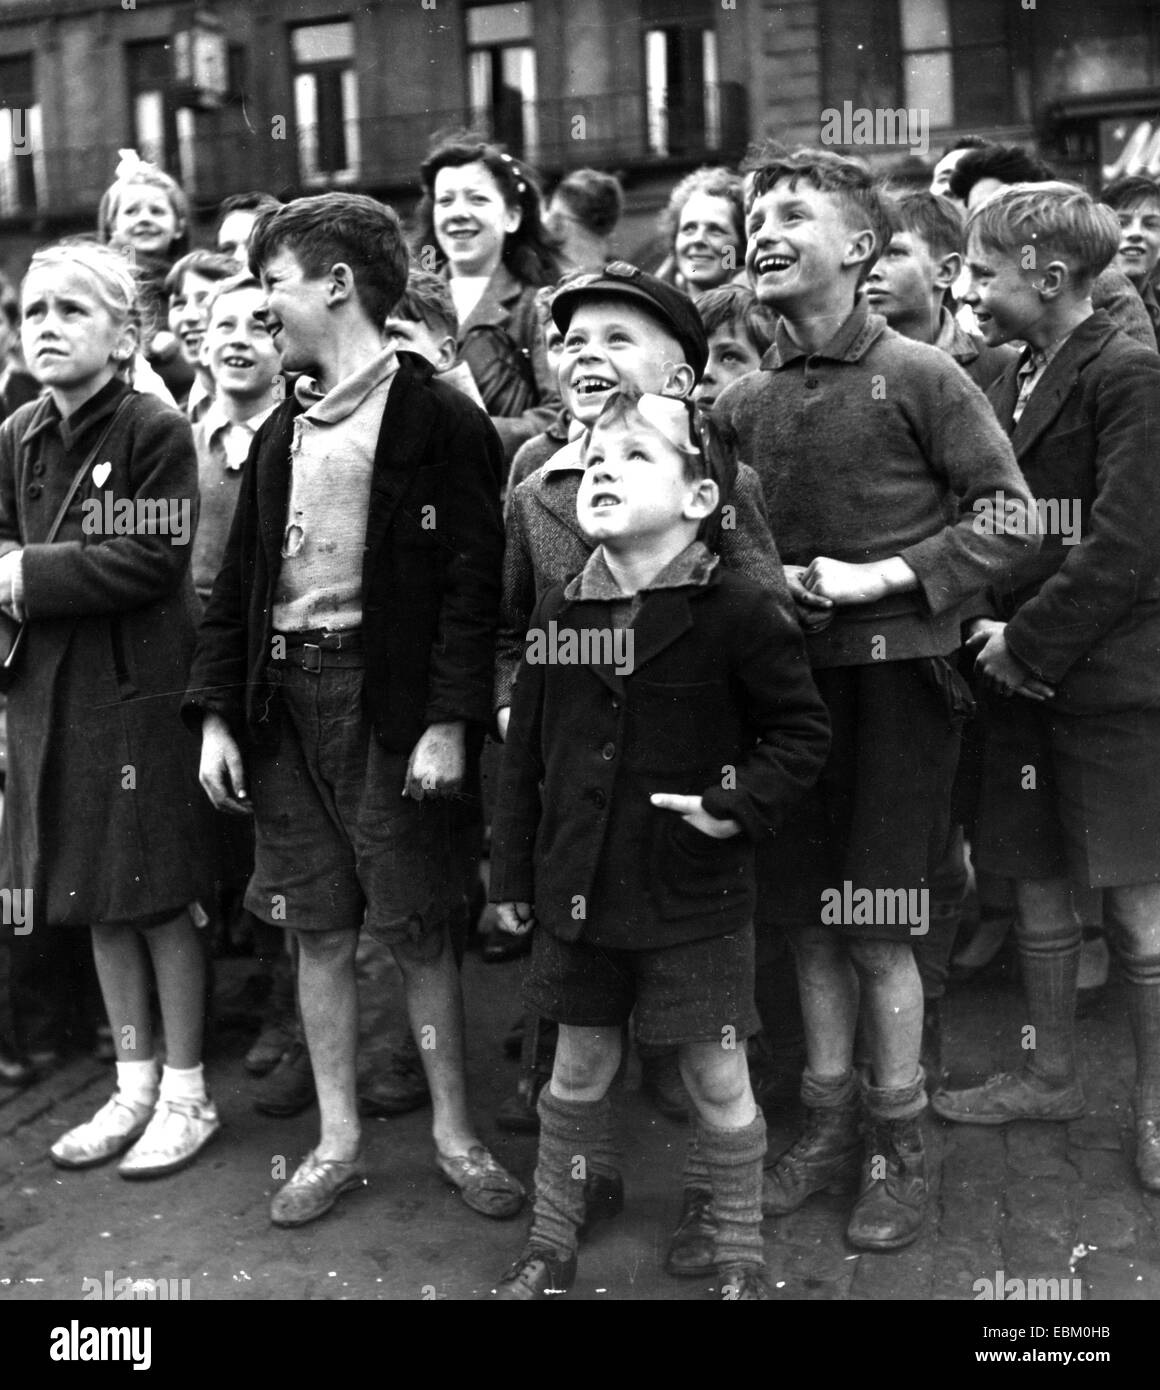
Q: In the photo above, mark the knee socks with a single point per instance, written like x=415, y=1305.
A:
x=1143, y=976
x=1050, y=971
x=576, y=1139
x=733, y=1159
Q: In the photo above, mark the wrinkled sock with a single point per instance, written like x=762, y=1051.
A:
x=137, y=1083
x=695, y=1177
x=184, y=1084
x=576, y=1138
x=1050, y=972
x=829, y=1092
x=734, y=1160
x=1143, y=976
x=897, y=1102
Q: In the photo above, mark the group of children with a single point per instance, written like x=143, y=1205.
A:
x=770, y=523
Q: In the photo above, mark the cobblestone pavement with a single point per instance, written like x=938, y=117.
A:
x=1036, y=1201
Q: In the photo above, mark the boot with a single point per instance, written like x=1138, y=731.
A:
x=824, y=1158
x=890, y=1211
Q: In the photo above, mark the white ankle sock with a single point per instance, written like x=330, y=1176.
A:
x=137, y=1082
x=183, y=1084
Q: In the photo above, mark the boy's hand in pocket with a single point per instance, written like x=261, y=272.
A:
x=691, y=809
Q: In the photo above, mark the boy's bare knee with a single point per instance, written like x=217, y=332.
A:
x=878, y=957
x=423, y=953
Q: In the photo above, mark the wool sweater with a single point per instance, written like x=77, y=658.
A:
x=859, y=448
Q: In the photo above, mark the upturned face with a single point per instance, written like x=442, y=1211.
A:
x=296, y=311
x=71, y=341
x=798, y=244
x=1002, y=293
x=239, y=350
x=187, y=314
x=612, y=346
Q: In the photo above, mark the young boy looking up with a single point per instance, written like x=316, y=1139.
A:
x=1136, y=202
x=861, y=437
x=347, y=646
x=188, y=289
x=910, y=281
x=243, y=366
x=1069, y=661
x=643, y=785
x=739, y=330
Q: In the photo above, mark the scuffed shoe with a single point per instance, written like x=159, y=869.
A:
x=289, y=1088
x=397, y=1086
x=314, y=1188
x=174, y=1137
x=1010, y=1096
x=662, y=1083
x=536, y=1274
x=1148, y=1153
x=691, y=1248
x=892, y=1206
x=823, y=1159
x=484, y=1185
x=116, y=1125
x=270, y=1046
x=743, y=1284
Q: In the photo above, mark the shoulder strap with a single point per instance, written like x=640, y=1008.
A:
x=91, y=457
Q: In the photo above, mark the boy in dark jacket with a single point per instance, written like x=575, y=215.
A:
x=1071, y=662
x=863, y=440
x=664, y=722
x=344, y=662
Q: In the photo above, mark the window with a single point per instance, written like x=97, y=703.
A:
x=21, y=149
x=501, y=75
x=956, y=63
x=681, y=90
x=326, y=101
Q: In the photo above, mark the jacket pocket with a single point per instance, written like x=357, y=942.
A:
x=693, y=874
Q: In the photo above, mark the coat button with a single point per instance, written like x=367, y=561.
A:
x=608, y=752
x=38, y=469
x=34, y=490
x=811, y=382
x=599, y=800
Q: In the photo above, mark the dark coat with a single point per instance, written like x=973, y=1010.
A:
x=1086, y=618
x=715, y=669
x=103, y=815
x=431, y=569
x=501, y=340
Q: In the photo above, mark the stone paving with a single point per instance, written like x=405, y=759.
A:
x=1035, y=1201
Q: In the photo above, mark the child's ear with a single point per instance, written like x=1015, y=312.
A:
x=125, y=347
x=341, y=285
x=948, y=270
x=704, y=497
x=1054, y=279
x=679, y=379
x=859, y=248
x=448, y=351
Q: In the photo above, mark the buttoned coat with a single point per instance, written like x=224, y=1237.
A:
x=1086, y=617
x=719, y=703
x=103, y=815
x=430, y=569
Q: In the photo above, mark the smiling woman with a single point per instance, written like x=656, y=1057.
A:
x=704, y=228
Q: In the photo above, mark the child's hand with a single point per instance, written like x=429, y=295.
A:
x=813, y=611
x=692, y=810
x=438, y=761
x=846, y=583
x=516, y=918
x=222, y=774
x=1001, y=671
x=502, y=720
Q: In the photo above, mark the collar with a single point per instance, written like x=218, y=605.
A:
x=1037, y=359
x=494, y=303
x=199, y=401
x=96, y=408
x=345, y=398
x=214, y=422
x=693, y=566
x=850, y=342
x=567, y=459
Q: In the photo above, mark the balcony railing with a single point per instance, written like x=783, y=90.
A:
x=615, y=130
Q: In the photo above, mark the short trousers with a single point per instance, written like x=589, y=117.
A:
x=690, y=992
x=878, y=817
x=337, y=845
x=1069, y=796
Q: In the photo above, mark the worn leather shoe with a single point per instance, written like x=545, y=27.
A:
x=691, y=1248
x=1010, y=1096
x=1148, y=1153
x=289, y=1089
x=661, y=1081
x=315, y=1187
x=536, y=1274
x=397, y=1086
x=824, y=1159
x=890, y=1211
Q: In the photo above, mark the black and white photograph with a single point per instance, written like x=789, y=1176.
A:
x=580, y=663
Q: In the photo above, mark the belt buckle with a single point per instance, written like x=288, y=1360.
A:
x=311, y=657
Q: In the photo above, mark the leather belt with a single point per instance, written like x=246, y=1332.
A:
x=319, y=649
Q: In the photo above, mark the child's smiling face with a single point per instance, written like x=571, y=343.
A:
x=187, y=313
x=472, y=220
x=799, y=243
x=1139, y=241
x=240, y=353
x=145, y=219
x=1002, y=293
x=610, y=345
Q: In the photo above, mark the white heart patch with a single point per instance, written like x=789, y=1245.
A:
x=101, y=472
